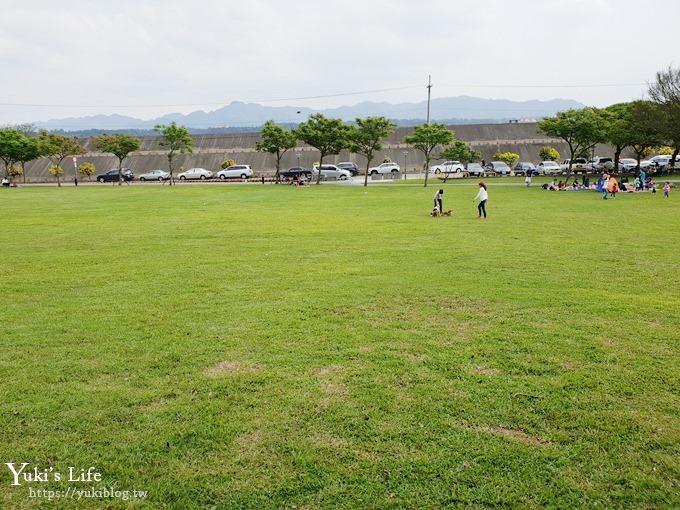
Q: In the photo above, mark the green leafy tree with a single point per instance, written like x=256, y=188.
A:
x=666, y=150
x=366, y=137
x=29, y=151
x=426, y=138
x=56, y=148
x=120, y=145
x=460, y=151
x=509, y=158
x=276, y=140
x=665, y=92
x=645, y=133
x=227, y=163
x=11, y=142
x=177, y=140
x=579, y=129
x=87, y=169
x=620, y=128
x=328, y=136
x=548, y=153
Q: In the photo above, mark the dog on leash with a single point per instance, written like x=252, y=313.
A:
x=435, y=212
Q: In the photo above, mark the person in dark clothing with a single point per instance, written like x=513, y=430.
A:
x=438, y=200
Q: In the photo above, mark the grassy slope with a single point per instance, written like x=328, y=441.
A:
x=253, y=347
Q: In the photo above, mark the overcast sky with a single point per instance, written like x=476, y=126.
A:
x=146, y=58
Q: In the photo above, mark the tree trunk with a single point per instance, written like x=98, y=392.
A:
x=318, y=175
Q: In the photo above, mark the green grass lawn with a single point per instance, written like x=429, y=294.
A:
x=335, y=347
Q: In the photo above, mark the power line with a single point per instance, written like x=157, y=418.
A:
x=320, y=96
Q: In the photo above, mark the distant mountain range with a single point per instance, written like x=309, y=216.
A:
x=250, y=116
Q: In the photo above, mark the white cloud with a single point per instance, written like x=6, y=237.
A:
x=146, y=57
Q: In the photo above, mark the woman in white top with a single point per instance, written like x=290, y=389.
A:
x=482, y=196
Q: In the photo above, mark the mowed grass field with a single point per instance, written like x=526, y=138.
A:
x=267, y=346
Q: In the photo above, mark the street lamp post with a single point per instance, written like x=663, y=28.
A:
x=297, y=155
x=405, y=153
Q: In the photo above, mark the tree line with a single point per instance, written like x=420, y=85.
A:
x=642, y=125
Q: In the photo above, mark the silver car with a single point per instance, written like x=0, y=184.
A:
x=549, y=168
x=195, y=173
x=155, y=175
x=331, y=172
x=242, y=171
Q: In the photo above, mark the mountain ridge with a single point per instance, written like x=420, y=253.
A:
x=452, y=110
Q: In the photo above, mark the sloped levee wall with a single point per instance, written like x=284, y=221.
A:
x=211, y=150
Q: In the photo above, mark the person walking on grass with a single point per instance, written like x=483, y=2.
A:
x=482, y=197
x=666, y=189
x=438, y=200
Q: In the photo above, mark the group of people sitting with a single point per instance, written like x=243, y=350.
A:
x=605, y=182
x=563, y=186
x=299, y=180
x=608, y=184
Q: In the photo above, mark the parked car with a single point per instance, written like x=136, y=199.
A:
x=549, y=168
x=657, y=163
x=348, y=165
x=627, y=164
x=475, y=169
x=384, y=168
x=115, y=174
x=499, y=167
x=195, y=173
x=578, y=165
x=524, y=168
x=331, y=172
x=296, y=171
x=155, y=175
x=447, y=167
x=599, y=164
x=242, y=171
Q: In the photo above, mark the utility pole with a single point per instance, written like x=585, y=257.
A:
x=429, y=87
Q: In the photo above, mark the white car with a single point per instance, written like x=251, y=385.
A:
x=331, y=172
x=447, y=167
x=384, y=168
x=155, y=175
x=242, y=171
x=475, y=169
x=195, y=173
x=627, y=164
x=657, y=162
x=599, y=164
x=549, y=168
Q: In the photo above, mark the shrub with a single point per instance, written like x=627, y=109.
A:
x=56, y=170
x=87, y=169
x=509, y=158
x=549, y=154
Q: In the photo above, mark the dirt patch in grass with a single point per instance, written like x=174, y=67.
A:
x=480, y=370
x=229, y=366
x=516, y=435
x=326, y=371
x=330, y=381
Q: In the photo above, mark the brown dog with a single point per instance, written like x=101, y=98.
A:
x=435, y=212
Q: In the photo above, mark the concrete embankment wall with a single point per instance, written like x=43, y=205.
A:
x=211, y=150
